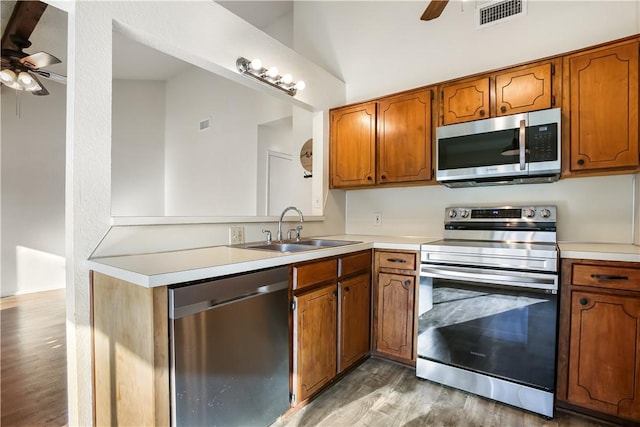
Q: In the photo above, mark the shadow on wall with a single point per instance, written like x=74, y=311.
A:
x=36, y=271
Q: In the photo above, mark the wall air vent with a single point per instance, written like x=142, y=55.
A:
x=499, y=11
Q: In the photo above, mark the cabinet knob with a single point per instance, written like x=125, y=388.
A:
x=383, y=177
x=407, y=283
x=334, y=293
x=346, y=289
x=503, y=109
x=580, y=162
x=583, y=301
x=369, y=178
x=482, y=113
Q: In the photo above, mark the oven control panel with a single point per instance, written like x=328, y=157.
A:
x=501, y=214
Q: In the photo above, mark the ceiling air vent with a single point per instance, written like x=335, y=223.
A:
x=499, y=11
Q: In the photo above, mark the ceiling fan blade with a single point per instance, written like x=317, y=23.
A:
x=43, y=90
x=39, y=60
x=51, y=76
x=434, y=9
x=23, y=20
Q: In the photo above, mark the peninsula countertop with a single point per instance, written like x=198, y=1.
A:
x=168, y=268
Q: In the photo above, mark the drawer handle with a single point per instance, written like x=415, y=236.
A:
x=397, y=260
x=608, y=277
x=583, y=301
x=407, y=283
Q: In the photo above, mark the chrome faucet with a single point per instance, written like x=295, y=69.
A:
x=279, y=235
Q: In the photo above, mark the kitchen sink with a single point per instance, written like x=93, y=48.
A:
x=326, y=243
x=295, y=246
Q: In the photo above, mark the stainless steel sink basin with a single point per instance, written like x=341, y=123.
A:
x=279, y=247
x=293, y=246
x=326, y=243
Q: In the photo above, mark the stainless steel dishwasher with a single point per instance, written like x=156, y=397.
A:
x=229, y=342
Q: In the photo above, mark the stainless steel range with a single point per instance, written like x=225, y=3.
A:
x=488, y=305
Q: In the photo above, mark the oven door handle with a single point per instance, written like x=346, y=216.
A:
x=546, y=282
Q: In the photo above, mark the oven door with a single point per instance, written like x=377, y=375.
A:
x=502, y=331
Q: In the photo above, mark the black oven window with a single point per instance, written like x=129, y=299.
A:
x=510, y=334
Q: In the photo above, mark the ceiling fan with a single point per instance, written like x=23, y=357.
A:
x=434, y=9
x=18, y=69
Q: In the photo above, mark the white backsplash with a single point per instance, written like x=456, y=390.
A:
x=595, y=209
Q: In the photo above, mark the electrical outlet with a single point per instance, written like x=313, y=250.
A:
x=377, y=218
x=236, y=235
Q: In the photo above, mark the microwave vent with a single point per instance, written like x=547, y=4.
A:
x=499, y=11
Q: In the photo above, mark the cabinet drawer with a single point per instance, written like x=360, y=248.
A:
x=397, y=260
x=305, y=275
x=355, y=263
x=611, y=277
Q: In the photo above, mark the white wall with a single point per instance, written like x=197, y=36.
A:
x=382, y=47
x=137, y=148
x=214, y=172
x=33, y=161
x=585, y=212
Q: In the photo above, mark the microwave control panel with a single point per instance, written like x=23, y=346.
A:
x=542, y=141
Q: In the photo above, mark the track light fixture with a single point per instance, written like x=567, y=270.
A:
x=270, y=76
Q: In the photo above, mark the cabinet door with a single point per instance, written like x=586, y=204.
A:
x=395, y=307
x=315, y=337
x=354, y=320
x=463, y=102
x=352, y=146
x=604, y=361
x=524, y=90
x=404, y=138
x=604, y=108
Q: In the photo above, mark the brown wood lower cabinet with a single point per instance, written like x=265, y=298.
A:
x=315, y=339
x=355, y=316
x=331, y=320
x=599, y=346
x=394, y=305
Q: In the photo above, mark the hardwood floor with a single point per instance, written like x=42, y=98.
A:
x=33, y=377
x=382, y=393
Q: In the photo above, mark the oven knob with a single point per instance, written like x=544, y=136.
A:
x=464, y=213
x=452, y=213
x=545, y=213
x=529, y=213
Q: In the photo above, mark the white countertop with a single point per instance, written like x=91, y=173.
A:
x=167, y=268
x=600, y=251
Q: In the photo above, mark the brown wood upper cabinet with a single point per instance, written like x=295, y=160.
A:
x=512, y=91
x=331, y=319
x=599, y=356
x=404, y=138
x=383, y=141
x=352, y=148
x=602, y=95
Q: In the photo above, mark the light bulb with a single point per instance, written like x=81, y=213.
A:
x=272, y=72
x=256, y=64
x=7, y=76
x=287, y=79
x=301, y=85
x=25, y=79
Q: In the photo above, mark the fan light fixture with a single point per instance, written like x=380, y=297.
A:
x=269, y=75
x=20, y=81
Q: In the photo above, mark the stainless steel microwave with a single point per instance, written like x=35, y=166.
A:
x=520, y=148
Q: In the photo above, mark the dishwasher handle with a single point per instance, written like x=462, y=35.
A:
x=199, y=297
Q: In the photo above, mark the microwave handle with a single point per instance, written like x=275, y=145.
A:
x=522, y=143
